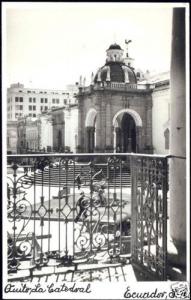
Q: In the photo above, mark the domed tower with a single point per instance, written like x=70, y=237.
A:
x=114, y=113
x=115, y=69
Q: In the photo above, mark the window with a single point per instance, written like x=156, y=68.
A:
x=30, y=115
x=166, y=136
x=65, y=101
x=46, y=108
x=34, y=100
x=42, y=100
x=19, y=107
x=18, y=99
x=53, y=100
x=41, y=108
x=16, y=115
x=34, y=115
x=28, y=92
x=30, y=99
x=34, y=107
x=30, y=107
x=57, y=101
x=45, y=100
x=20, y=91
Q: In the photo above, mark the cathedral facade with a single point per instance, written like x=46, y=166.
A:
x=115, y=111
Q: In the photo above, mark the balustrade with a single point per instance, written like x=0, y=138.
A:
x=64, y=209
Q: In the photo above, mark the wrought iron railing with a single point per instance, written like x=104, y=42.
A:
x=67, y=209
x=149, y=215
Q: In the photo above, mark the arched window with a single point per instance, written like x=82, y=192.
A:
x=166, y=136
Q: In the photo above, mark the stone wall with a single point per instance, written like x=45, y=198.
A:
x=108, y=104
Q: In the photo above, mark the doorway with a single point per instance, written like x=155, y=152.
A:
x=125, y=134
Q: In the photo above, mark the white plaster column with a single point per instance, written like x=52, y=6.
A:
x=178, y=136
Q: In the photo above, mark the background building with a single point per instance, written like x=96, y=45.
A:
x=51, y=131
x=28, y=131
x=12, y=137
x=23, y=101
x=26, y=102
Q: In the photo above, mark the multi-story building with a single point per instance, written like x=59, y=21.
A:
x=30, y=102
x=22, y=101
x=28, y=133
x=50, y=131
x=12, y=137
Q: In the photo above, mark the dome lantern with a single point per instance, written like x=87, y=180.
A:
x=115, y=68
x=114, y=53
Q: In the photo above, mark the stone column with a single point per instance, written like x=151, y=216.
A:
x=138, y=139
x=87, y=139
x=149, y=126
x=108, y=125
x=118, y=139
x=103, y=125
x=178, y=137
x=90, y=142
x=98, y=129
x=92, y=135
x=81, y=123
x=100, y=124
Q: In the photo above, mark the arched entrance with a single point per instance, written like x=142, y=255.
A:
x=90, y=124
x=127, y=124
x=127, y=143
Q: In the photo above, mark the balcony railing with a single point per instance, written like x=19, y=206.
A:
x=119, y=86
x=67, y=209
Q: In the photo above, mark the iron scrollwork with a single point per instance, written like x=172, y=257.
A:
x=19, y=210
x=150, y=214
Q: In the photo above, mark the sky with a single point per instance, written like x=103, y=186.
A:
x=49, y=45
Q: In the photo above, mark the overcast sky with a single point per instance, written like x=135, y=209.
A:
x=49, y=45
